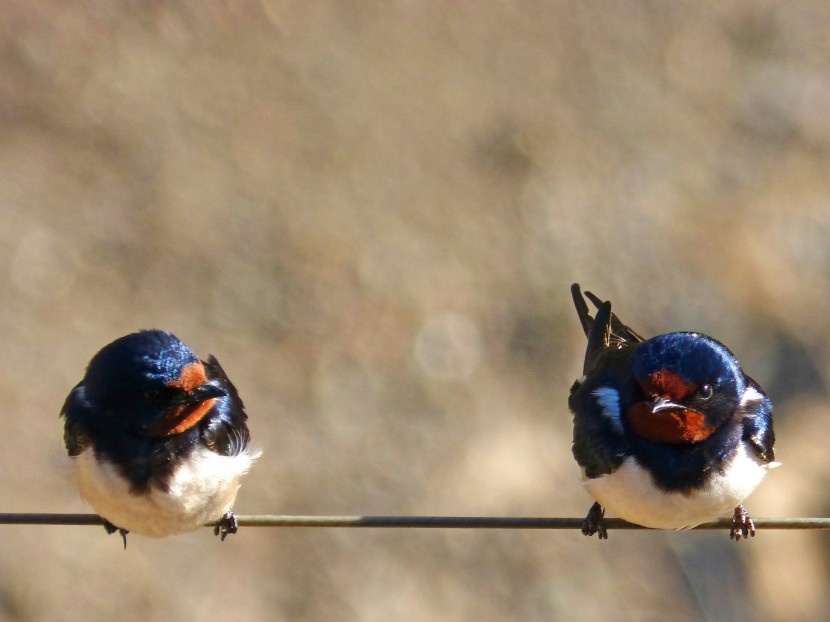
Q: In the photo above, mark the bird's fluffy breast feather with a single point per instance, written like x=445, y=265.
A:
x=201, y=489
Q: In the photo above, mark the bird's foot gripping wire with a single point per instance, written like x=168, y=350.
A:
x=742, y=525
x=111, y=529
x=225, y=525
x=594, y=523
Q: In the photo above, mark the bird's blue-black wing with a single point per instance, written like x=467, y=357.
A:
x=757, y=422
x=226, y=431
x=75, y=436
x=599, y=445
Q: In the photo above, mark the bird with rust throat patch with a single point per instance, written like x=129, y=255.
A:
x=669, y=431
x=157, y=438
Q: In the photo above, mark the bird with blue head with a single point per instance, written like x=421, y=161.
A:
x=158, y=439
x=669, y=432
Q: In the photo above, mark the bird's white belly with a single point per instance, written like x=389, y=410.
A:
x=202, y=488
x=630, y=493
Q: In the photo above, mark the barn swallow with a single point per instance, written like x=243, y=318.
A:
x=669, y=431
x=157, y=438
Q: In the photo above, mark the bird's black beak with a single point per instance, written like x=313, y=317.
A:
x=200, y=394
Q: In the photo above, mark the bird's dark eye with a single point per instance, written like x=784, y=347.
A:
x=705, y=391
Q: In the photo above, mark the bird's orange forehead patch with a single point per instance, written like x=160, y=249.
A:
x=667, y=384
x=192, y=376
x=674, y=426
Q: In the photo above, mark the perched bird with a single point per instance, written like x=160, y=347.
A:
x=157, y=438
x=669, y=431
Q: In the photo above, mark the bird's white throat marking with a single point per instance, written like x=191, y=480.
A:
x=202, y=488
x=630, y=493
x=609, y=403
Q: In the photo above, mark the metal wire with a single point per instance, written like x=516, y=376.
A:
x=418, y=522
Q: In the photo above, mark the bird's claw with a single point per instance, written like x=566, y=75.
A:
x=594, y=522
x=225, y=525
x=742, y=525
x=111, y=529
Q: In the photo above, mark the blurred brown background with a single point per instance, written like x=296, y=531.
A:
x=371, y=215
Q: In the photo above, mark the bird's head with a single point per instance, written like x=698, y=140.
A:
x=150, y=383
x=688, y=386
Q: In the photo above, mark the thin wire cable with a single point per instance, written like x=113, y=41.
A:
x=417, y=522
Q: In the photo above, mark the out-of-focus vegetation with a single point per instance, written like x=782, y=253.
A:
x=371, y=215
